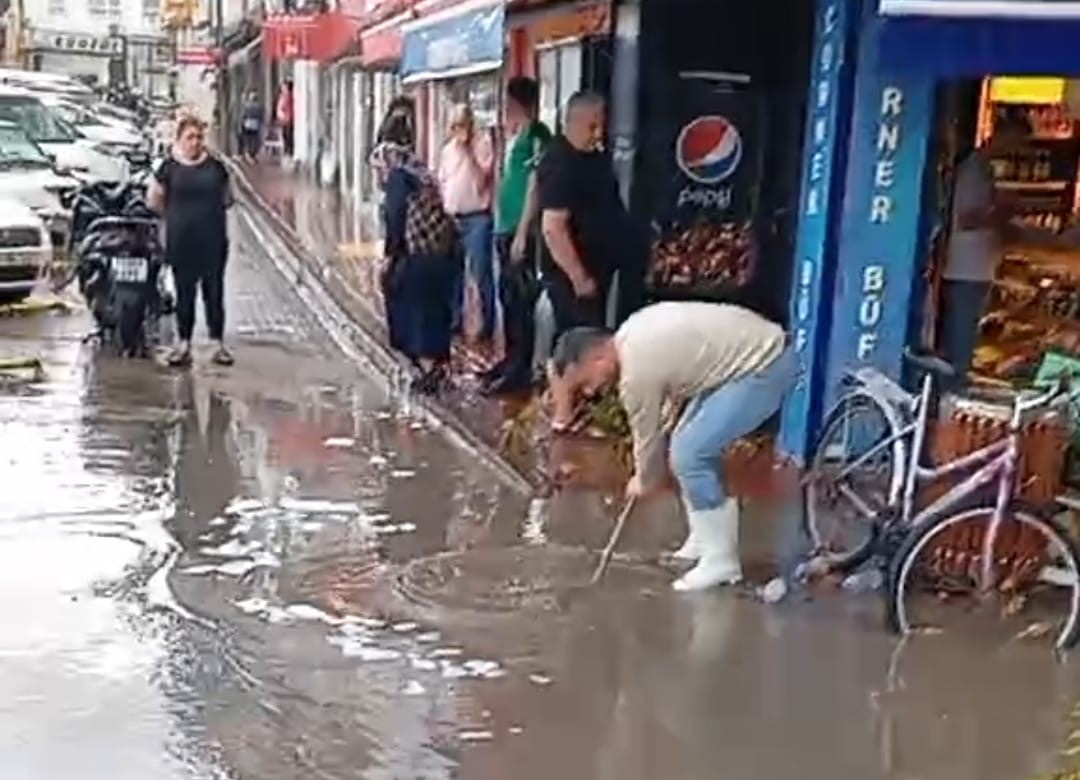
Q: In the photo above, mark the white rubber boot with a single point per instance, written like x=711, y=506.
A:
x=719, y=562
x=691, y=548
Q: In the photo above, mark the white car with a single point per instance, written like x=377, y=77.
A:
x=28, y=176
x=57, y=138
x=25, y=250
x=112, y=135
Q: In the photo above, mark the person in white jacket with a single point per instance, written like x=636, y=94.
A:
x=730, y=366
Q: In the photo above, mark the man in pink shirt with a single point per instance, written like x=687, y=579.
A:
x=466, y=178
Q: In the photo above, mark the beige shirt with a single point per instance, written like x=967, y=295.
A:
x=466, y=176
x=672, y=352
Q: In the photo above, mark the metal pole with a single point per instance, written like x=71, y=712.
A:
x=223, y=76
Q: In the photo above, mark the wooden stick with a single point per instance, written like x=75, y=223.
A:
x=613, y=542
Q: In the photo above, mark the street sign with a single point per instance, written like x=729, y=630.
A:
x=1019, y=9
x=77, y=43
x=202, y=55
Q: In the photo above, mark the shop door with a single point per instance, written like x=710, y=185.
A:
x=560, y=70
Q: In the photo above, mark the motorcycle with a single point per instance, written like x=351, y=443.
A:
x=119, y=264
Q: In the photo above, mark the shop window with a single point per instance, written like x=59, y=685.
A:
x=57, y=8
x=559, y=70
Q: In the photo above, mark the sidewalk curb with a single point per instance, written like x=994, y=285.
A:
x=359, y=335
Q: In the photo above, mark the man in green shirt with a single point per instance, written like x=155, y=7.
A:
x=516, y=220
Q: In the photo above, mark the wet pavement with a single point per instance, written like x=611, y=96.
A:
x=284, y=570
x=338, y=241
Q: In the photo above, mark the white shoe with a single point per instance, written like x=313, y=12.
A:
x=691, y=548
x=719, y=561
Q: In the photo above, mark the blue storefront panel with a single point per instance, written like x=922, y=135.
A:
x=469, y=40
x=881, y=249
x=821, y=194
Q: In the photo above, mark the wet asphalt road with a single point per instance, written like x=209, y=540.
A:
x=280, y=571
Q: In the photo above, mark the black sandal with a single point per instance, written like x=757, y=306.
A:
x=180, y=357
x=222, y=357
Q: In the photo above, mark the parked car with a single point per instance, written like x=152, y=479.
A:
x=29, y=176
x=90, y=123
x=59, y=139
x=25, y=250
x=53, y=83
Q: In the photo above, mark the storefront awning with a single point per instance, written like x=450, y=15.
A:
x=321, y=37
x=468, y=39
x=1014, y=9
x=946, y=48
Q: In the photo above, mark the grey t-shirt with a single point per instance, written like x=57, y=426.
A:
x=972, y=254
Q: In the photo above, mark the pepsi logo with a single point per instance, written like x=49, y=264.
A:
x=709, y=149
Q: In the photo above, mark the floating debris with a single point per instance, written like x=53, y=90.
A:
x=540, y=679
x=516, y=730
x=231, y=549
x=392, y=529
x=478, y=735
x=402, y=473
x=252, y=606
x=478, y=668
x=428, y=637
x=235, y=568
x=369, y=654
x=266, y=560
x=447, y=652
x=199, y=569
x=318, y=506
x=243, y=506
x=340, y=443
x=404, y=627
x=378, y=460
x=413, y=688
x=423, y=664
x=365, y=622
x=218, y=521
x=308, y=612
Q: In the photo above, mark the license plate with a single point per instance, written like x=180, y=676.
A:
x=130, y=270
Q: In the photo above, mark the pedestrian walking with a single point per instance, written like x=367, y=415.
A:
x=516, y=236
x=191, y=190
x=585, y=227
x=422, y=255
x=286, y=113
x=251, y=127
x=466, y=175
x=728, y=366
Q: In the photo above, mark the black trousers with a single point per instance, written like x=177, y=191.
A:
x=287, y=139
x=210, y=276
x=518, y=291
x=570, y=310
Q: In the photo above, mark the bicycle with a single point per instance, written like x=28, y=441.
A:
x=959, y=531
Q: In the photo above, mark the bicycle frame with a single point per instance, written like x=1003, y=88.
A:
x=998, y=460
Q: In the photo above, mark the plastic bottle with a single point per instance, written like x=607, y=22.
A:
x=864, y=580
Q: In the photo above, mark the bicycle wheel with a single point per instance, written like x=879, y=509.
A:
x=1034, y=589
x=841, y=502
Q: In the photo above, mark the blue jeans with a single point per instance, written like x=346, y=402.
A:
x=715, y=419
x=963, y=304
x=477, y=240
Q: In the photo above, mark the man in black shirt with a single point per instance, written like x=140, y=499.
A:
x=584, y=225
x=583, y=217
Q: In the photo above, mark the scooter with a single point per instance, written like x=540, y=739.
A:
x=119, y=263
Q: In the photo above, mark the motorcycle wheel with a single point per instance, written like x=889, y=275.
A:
x=131, y=311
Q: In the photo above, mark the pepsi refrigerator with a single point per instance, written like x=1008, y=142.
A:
x=708, y=100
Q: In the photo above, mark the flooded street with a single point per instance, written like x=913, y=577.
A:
x=284, y=570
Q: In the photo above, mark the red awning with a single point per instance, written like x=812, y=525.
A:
x=320, y=37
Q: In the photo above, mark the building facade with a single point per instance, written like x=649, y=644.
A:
x=100, y=41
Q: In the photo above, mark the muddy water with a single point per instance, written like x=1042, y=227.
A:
x=275, y=573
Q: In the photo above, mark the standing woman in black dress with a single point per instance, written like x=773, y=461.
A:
x=191, y=189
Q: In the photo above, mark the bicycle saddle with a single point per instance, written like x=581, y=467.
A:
x=929, y=363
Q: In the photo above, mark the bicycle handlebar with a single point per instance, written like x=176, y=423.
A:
x=1022, y=405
